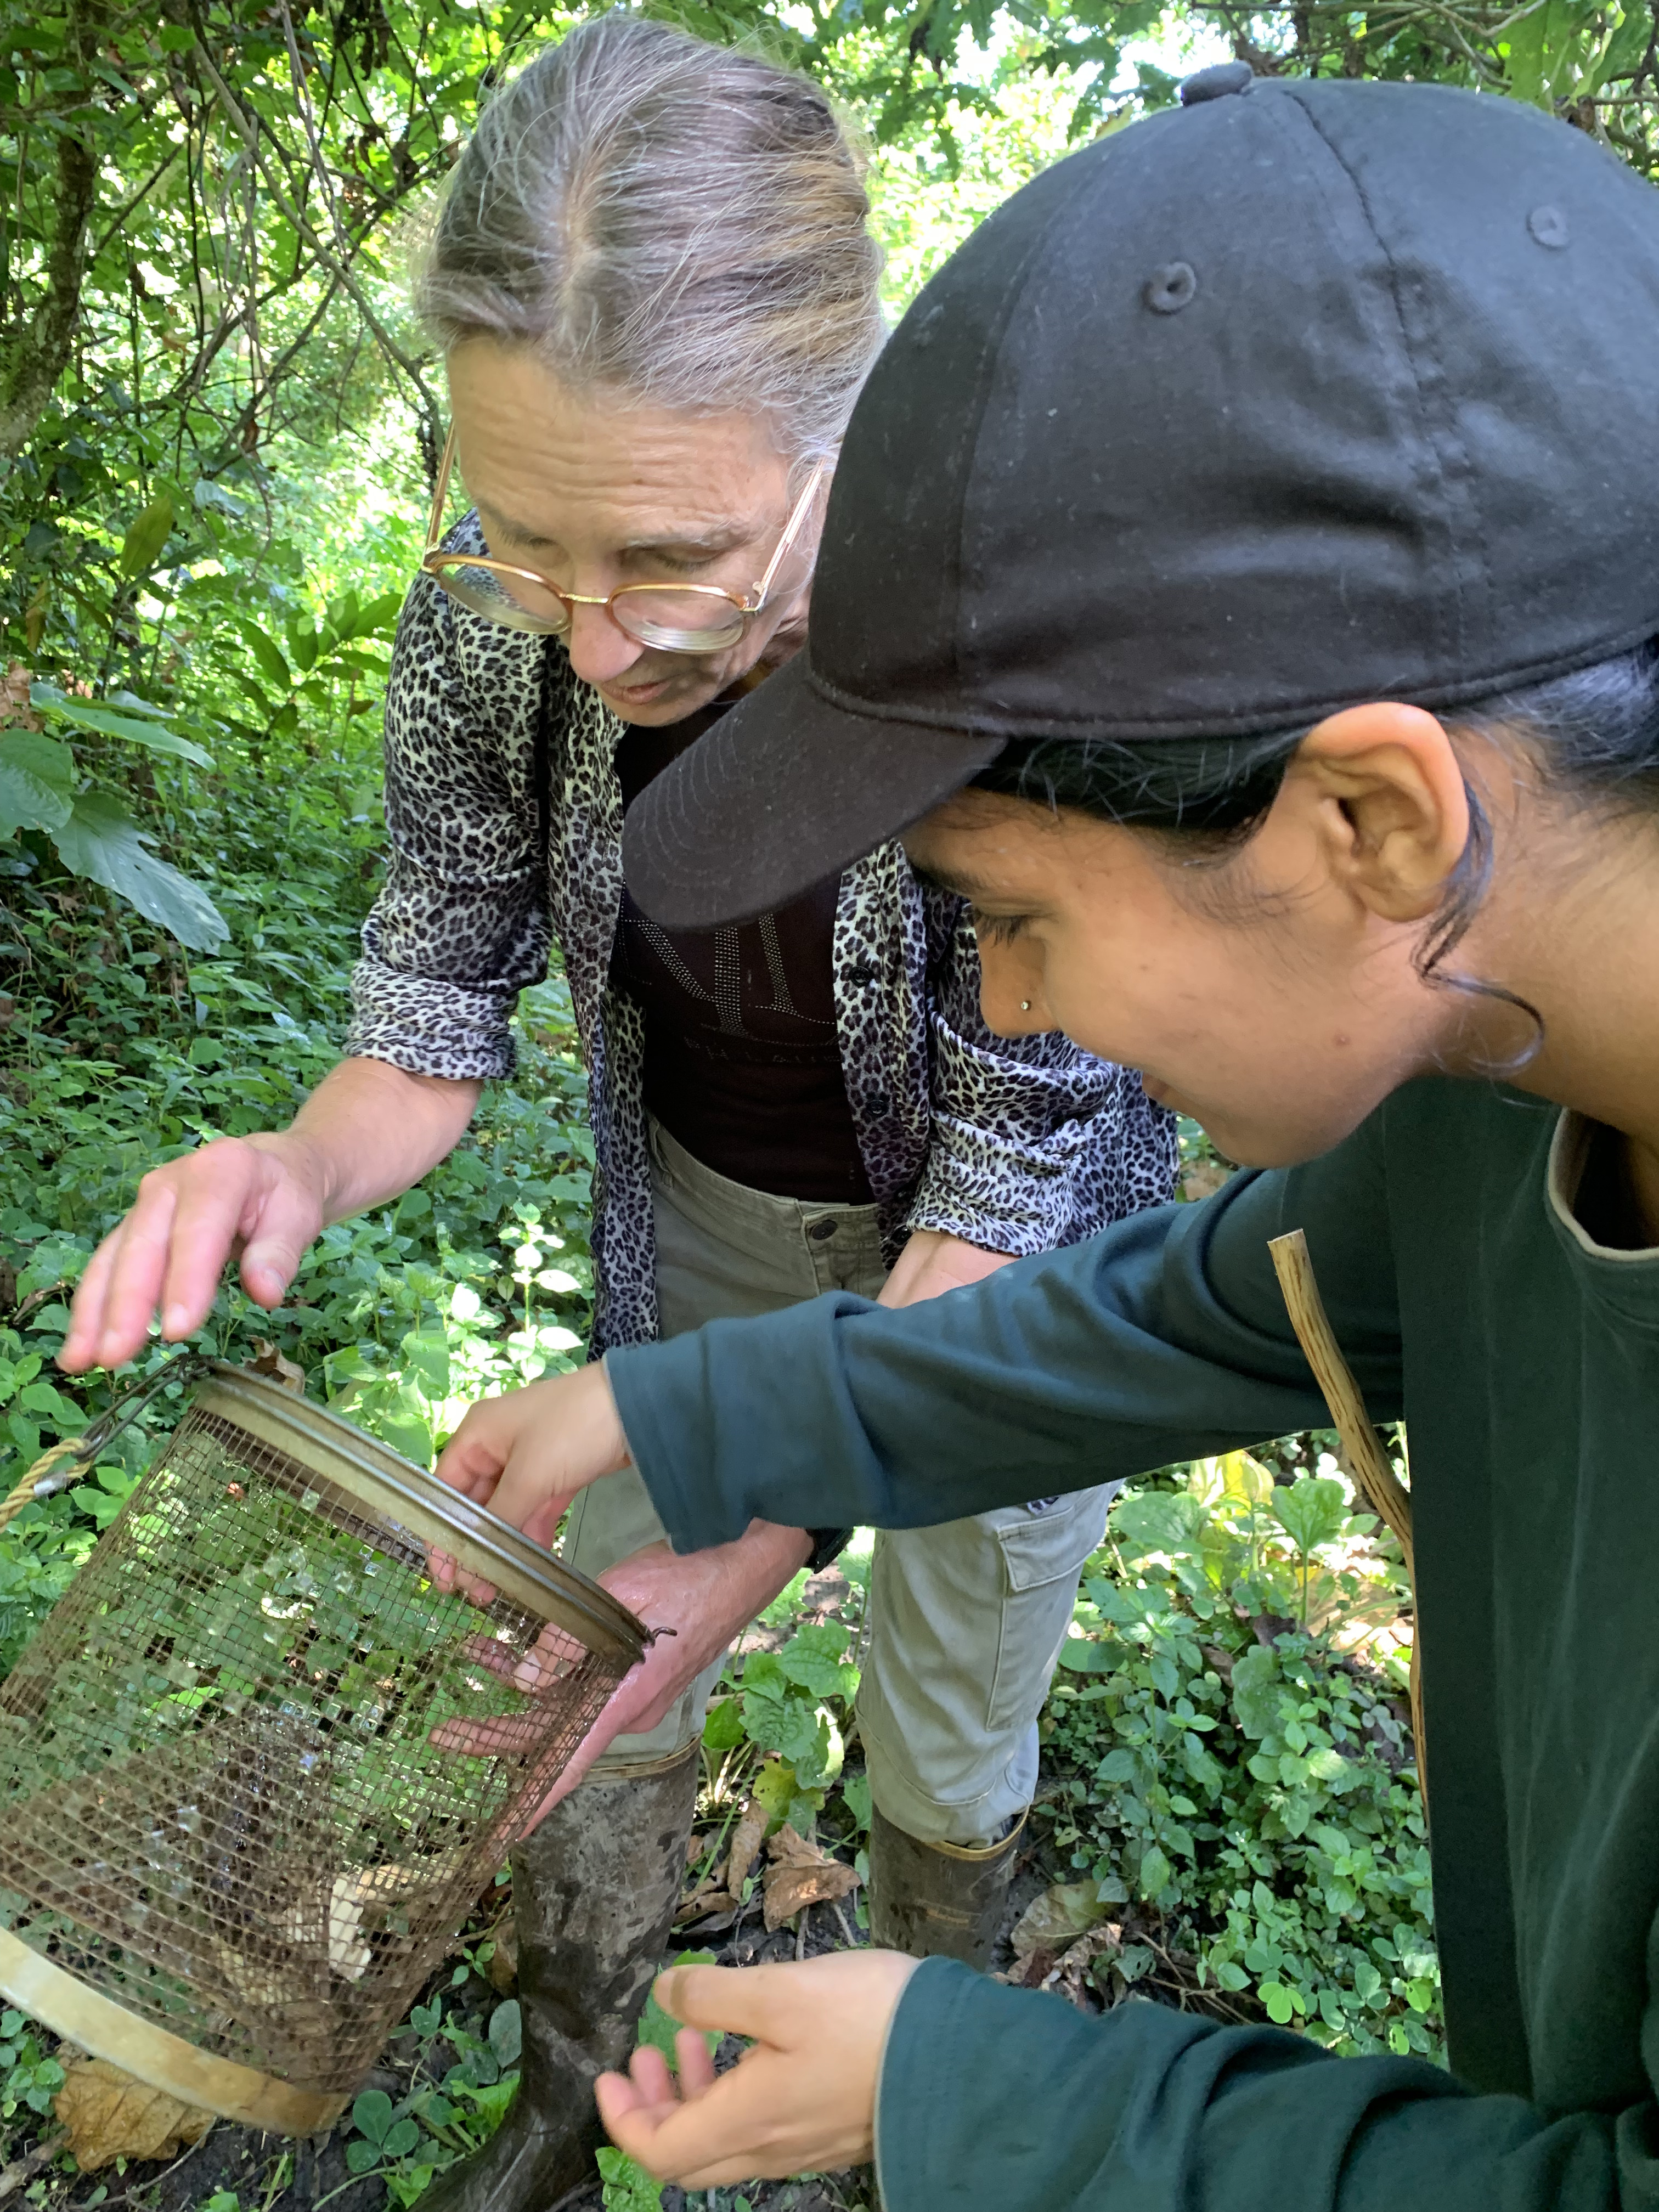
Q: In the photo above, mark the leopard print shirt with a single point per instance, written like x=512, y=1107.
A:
x=1014, y=1145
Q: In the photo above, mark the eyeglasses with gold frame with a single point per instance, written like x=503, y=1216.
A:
x=671, y=617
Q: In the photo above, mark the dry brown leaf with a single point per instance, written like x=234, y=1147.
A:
x=269, y=1362
x=107, y=2115
x=504, y=1961
x=15, y=712
x=1057, y=1917
x=787, y=1848
x=746, y=1839
x=789, y=1888
x=801, y=1874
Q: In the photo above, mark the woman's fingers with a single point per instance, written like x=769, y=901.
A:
x=651, y=2076
x=727, y=2134
x=696, y=2061
x=801, y=2099
x=171, y=1250
x=527, y=1454
x=734, y=2000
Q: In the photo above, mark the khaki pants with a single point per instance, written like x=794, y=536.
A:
x=966, y=1619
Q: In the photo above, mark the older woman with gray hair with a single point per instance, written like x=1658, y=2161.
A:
x=657, y=294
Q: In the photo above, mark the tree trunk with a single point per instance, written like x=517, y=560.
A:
x=39, y=352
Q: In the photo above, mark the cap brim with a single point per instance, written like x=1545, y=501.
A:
x=785, y=789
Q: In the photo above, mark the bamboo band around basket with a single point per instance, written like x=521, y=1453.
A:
x=1376, y=1481
x=59, y=2001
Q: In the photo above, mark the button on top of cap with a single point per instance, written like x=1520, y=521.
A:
x=1216, y=82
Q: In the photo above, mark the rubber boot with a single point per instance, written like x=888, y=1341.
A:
x=939, y=1900
x=594, y=1890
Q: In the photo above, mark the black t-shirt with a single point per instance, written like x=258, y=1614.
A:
x=742, y=1060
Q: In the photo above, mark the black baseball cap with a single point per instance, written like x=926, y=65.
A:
x=1300, y=394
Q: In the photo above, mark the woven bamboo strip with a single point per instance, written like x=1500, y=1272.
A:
x=1363, y=1454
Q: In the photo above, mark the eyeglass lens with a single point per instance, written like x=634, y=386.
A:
x=674, y=622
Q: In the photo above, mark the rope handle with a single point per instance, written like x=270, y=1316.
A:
x=41, y=1483
x=1376, y=1481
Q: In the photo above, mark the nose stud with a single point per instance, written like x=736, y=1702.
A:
x=1025, y=1006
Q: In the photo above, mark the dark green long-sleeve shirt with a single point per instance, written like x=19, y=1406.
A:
x=1526, y=1358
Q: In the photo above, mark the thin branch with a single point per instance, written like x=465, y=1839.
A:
x=250, y=135
x=142, y=194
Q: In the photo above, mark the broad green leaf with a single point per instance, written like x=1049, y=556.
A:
x=1277, y=2003
x=101, y=839
x=301, y=643
x=774, y=1789
x=379, y=615
x=856, y=1796
x=36, y=782
x=141, y=549
x=371, y=2115
x=406, y=1433
x=266, y=652
x=506, y=2034
x=1311, y=1511
x=429, y=1363
x=1155, y=1873
x=722, y=1731
x=813, y=1659
x=405, y=2136
x=1628, y=45
x=155, y=736
x=1257, y=1692
x=1525, y=67
x=1156, y=1521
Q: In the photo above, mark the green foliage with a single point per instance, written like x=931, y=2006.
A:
x=779, y=1731
x=1240, y=1773
x=627, y=2187
x=29, y=2079
x=656, y=2028
x=117, y=1052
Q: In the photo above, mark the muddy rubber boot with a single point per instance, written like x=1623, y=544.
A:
x=939, y=1900
x=595, y=1891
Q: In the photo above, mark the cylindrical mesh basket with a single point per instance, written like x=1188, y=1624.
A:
x=255, y=1766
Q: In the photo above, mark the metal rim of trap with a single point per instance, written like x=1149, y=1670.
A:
x=415, y=1500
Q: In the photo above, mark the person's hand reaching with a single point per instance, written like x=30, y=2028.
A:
x=698, y=1605
x=260, y=1196
x=526, y=1453
x=802, y=2099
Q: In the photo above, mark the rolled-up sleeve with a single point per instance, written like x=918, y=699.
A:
x=461, y=924
x=1035, y=1143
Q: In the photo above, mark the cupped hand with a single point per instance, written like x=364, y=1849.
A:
x=699, y=1605
x=260, y=1196
x=801, y=2100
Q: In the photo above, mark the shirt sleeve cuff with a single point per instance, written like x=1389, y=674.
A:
x=428, y=1027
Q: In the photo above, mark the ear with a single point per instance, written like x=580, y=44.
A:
x=1392, y=808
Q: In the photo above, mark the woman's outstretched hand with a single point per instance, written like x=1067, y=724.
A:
x=801, y=2100
x=261, y=1196
x=365, y=1135
x=526, y=1453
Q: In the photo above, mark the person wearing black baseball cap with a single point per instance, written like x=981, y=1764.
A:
x=1241, y=580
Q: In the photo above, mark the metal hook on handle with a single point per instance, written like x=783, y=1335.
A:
x=44, y=1478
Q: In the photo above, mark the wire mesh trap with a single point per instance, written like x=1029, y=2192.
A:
x=255, y=1765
